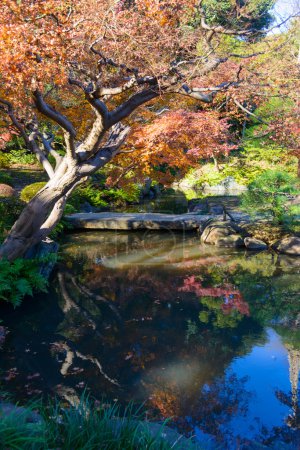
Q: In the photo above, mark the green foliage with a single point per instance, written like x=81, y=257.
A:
x=246, y=165
x=22, y=157
x=214, y=314
x=290, y=336
x=20, y=278
x=121, y=196
x=225, y=12
x=10, y=209
x=31, y=190
x=4, y=160
x=86, y=426
x=268, y=195
x=99, y=197
x=88, y=193
x=5, y=178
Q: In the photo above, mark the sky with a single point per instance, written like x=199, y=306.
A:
x=284, y=8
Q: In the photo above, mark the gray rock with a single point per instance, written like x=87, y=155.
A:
x=199, y=209
x=6, y=190
x=87, y=207
x=43, y=250
x=222, y=234
x=146, y=187
x=233, y=240
x=225, y=187
x=255, y=244
x=289, y=246
x=216, y=209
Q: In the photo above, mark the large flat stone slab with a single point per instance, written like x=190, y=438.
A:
x=136, y=221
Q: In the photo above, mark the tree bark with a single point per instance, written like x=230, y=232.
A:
x=40, y=215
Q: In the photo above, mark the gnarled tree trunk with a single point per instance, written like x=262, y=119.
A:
x=41, y=215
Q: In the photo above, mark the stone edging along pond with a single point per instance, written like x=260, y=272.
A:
x=214, y=229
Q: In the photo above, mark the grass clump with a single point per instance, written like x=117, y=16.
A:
x=82, y=427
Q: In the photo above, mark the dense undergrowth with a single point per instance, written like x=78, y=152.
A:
x=270, y=195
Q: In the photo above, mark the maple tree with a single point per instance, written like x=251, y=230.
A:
x=115, y=56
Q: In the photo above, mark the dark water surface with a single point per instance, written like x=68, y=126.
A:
x=207, y=336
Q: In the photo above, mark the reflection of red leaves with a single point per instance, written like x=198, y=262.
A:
x=232, y=298
x=11, y=374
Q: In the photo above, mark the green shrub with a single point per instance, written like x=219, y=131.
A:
x=99, y=197
x=20, y=278
x=22, y=157
x=31, y=190
x=121, y=196
x=269, y=195
x=4, y=160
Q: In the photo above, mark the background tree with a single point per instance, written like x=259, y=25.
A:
x=169, y=48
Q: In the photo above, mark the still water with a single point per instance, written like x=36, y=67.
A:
x=209, y=337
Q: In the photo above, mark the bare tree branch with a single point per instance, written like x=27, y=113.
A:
x=47, y=141
x=30, y=140
x=105, y=154
x=10, y=112
x=136, y=100
x=51, y=113
x=69, y=131
x=247, y=111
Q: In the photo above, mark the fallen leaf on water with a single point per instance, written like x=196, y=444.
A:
x=34, y=375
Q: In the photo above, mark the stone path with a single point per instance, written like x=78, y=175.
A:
x=141, y=221
x=136, y=221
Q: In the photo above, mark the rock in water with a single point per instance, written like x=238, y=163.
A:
x=42, y=251
x=222, y=234
x=226, y=187
x=255, y=244
x=289, y=246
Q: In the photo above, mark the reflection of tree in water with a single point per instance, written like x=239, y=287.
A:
x=293, y=398
x=129, y=322
x=210, y=407
x=289, y=432
x=130, y=326
x=153, y=305
x=224, y=305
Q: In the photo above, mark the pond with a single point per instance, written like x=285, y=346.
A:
x=207, y=336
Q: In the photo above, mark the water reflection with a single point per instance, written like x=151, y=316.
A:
x=207, y=336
